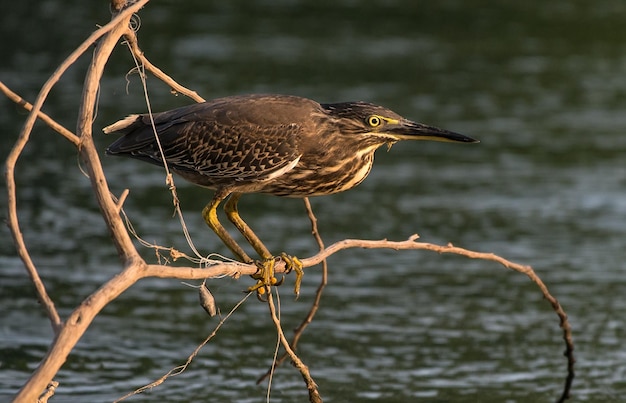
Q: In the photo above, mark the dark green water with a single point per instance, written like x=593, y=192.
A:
x=541, y=84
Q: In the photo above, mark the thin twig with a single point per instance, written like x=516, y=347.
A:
x=169, y=178
x=181, y=368
x=142, y=64
x=16, y=151
x=314, y=395
x=119, y=202
x=232, y=269
x=68, y=333
x=323, y=282
x=49, y=392
x=131, y=39
x=297, y=333
x=54, y=125
x=276, y=348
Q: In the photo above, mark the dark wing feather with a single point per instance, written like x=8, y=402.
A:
x=226, y=140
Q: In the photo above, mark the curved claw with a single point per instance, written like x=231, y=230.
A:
x=261, y=296
x=293, y=263
x=264, y=276
x=281, y=281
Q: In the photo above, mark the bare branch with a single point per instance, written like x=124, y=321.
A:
x=48, y=393
x=41, y=115
x=131, y=39
x=135, y=268
x=238, y=269
x=314, y=395
x=88, y=152
x=70, y=332
x=320, y=288
x=297, y=333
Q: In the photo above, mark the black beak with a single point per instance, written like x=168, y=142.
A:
x=408, y=130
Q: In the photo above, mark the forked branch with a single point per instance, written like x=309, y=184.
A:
x=69, y=332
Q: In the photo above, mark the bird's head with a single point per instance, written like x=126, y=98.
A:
x=382, y=125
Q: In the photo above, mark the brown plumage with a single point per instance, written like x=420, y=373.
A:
x=283, y=145
x=277, y=144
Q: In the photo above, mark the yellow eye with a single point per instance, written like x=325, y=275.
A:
x=374, y=120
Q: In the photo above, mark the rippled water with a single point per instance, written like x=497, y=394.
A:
x=541, y=85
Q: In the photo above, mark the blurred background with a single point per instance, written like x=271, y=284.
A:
x=541, y=84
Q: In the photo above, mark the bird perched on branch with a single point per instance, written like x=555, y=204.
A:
x=277, y=144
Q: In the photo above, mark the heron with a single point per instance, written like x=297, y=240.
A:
x=282, y=145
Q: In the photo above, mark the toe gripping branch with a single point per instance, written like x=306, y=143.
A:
x=265, y=274
x=266, y=278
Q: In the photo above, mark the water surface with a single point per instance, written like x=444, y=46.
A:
x=540, y=84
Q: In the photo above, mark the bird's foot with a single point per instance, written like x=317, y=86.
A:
x=265, y=274
x=293, y=263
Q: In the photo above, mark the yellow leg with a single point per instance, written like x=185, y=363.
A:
x=265, y=275
x=233, y=215
x=266, y=267
x=209, y=213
